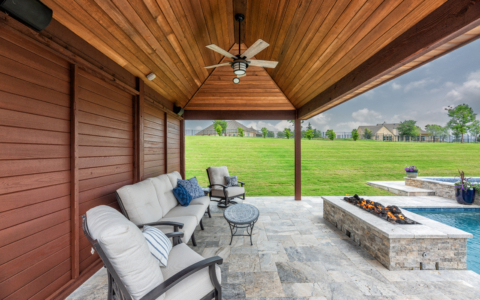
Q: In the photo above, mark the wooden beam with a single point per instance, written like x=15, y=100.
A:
x=182, y=148
x=298, y=160
x=74, y=181
x=239, y=115
x=140, y=106
x=452, y=19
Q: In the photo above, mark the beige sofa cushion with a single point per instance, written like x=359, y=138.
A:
x=217, y=175
x=173, y=178
x=204, y=201
x=189, y=225
x=164, y=190
x=196, y=211
x=126, y=248
x=195, y=286
x=232, y=191
x=141, y=202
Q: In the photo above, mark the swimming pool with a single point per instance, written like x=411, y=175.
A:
x=451, y=179
x=465, y=219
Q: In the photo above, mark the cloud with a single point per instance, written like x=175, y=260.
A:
x=468, y=89
x=198, y=128
x=418, y=84
x=366, y=115
x=396, y=86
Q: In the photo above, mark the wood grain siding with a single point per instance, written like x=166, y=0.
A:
x=256, y=91
x=106, y=147
x=153, y=141
x=35, y=228
x=173, y=144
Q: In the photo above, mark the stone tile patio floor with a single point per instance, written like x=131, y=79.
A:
x=296, y=254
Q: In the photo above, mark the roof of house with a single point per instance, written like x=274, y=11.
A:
x=389, y=126
x=232, y=126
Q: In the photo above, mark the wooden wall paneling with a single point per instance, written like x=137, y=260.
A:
x=182, y=148
x=74, y=178
x=139, y=130
x=173, y=144
x=165, y=142
x=154, y=141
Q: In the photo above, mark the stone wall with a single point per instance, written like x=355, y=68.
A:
x=399, y=253
x=441, y=189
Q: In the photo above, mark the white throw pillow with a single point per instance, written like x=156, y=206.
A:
x=158, y=243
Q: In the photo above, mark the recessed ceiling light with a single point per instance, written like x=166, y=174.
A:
x=151, y=76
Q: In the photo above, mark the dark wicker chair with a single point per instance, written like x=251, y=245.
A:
x=118, y=291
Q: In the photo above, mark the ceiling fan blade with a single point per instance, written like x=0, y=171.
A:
x=242, y=75
x=221, y=51
x=263, y=63
x=219, y=65
x=258, y=46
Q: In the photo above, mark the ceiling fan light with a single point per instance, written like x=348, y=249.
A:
x=239, y=68
x=236, y=80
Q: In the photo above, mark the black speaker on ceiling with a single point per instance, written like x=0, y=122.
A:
x=178, y=110
x=32, y=13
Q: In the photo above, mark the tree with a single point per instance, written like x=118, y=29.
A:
x=444, y=133
x=293, y=123
x=331, y=134
x=355, y=134
x=309, y=134
x=474, y=129
x=223, y=125
x=280, y=134
x=433, y=130
x=288, y=133
x=367, y=134
x=408, y=128
x=241, y=132
x=270, y=134
x=316, y=133
x=218, y=129
x=264, y=132
x=461, y=117
x=309, y=126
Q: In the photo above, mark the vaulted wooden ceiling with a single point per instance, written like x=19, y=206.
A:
x=317, y=42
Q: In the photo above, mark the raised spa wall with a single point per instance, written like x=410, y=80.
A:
x=442, y=189
x=396, y=246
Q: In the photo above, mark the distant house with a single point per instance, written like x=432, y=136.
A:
x=232, y=130
x=385, y=131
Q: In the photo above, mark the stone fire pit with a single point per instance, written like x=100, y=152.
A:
x=430, y=245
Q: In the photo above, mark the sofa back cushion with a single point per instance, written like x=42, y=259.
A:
x=173, y=178
x=141, y=202
x=126, y=249
x=217, y=175
x=164, y=190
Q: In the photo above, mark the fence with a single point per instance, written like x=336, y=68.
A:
x=343, y=135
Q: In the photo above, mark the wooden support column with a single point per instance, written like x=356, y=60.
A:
x=74, y=179
x=298, y=160
x=182, y=148
x=139, y=111
x=165, y=142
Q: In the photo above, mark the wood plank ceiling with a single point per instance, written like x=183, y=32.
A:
x=317, y=42
x=255, y=91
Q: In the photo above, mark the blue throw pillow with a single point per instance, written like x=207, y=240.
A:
x=192, y=186
x=182, y=195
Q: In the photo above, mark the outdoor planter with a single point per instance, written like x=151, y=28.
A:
x=413, y=174
x=466, y=197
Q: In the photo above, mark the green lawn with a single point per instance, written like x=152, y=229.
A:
x=337, y=167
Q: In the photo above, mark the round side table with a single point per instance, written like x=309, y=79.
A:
x=241, y=216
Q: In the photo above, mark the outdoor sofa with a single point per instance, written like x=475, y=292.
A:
x=135, y=274
x=151, y=202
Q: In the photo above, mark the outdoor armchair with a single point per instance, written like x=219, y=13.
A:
x=134, y=274
x=219, y=188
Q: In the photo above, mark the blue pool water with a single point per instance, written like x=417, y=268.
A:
x=466, y=220
x=452, y=179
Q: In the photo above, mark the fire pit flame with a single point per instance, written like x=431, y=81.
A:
x=390, y=213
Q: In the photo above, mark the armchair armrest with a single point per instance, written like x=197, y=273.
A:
x=222, y=185
x=172, y=281
x=176, y=237
x=175, y=225
x=242, y=183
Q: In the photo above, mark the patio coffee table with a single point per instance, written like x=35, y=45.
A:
x=241, y=216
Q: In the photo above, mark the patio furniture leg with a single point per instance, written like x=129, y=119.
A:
x=201, y=225
x=193, y=240
x=208, y=211
x=110, y=287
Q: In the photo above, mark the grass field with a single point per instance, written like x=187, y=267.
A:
x=337, y=167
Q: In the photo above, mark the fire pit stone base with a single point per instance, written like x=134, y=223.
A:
x=396, y=246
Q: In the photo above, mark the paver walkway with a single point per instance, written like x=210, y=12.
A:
x=298, y=255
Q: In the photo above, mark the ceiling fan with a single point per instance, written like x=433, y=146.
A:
x=241, y=61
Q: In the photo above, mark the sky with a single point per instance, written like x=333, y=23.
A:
x=420, y=95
